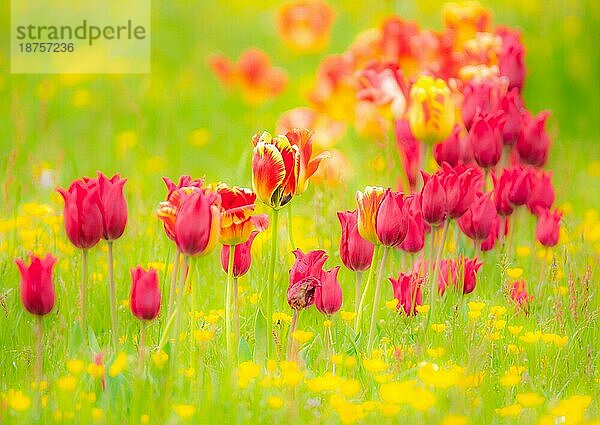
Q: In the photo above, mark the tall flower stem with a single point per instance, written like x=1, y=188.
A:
x=436, y=264
x=291, y=345
x=177, y=313
x=113, y=299
x=270, y=282
x=228, y=296
x=142, y=347
x=38, y=360
x=357, y=286
x=82, y=290
x=290, y=226
x=365, y=290
x=386, y=250
x=173, y=282
x=236, y=310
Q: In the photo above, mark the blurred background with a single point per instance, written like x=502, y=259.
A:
x=179, y=119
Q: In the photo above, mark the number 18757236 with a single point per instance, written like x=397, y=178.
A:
x=49, y=47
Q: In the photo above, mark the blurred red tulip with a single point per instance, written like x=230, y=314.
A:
x=305, y=25
x=415, y=234
x=533, y=143
x=82, y=216
x=328, y=296
x=302, y=139
x=355, y=251
x=113, y=205
x=407, y=290
x=390, y=222
x=520, y=187
x=410, y=151
x=327, y=132
x=197, y=223
x=275, y=169
x=541, y=196
x=548, y=227
x=512, y=106
x=460, y=183
x=502, y=188
x=512, y=57
x=462, y=273
x=490, y=242
x=483, y=95
x=486, y=138
x=477, y=221
x=519, y=294
x=145, y=293
x=433, y=199
x=37, y=287
x=242, y=258
x=449, y=150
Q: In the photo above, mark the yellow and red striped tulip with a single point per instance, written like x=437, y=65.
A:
x=431, y=114
x=302, y=138
x=275, y=169
x=368, y=205
x=237, y=221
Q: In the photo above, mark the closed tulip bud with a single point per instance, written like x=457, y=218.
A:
x=519, y=294
x=461, y=183
x=502, y=188
x=407, y=290
x=520, y=187
x=307, y=265
x=512, y=58
x=275, y=169
x=449, y=150
x=302, y=139
x=113, y=206
x=37, y=288
x=415, y=234
x=431, y=113
x=533, y=144
x=541, y=196
x=391, y=224
x=167, y=211
x=477, y=221
x=486, y=139
x=512, y=106
x=483, y=95
x=355, y=251
x=368, y=204
x=144, y=298
x=548, y=226
x=242, y=258
x=433, y=199
x=328, y=296
x=197, y=224
x=410, y=151
x=471, y=267
x=82, y=216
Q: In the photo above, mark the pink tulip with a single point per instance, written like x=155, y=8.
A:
x=542, y=194
x=461, y=183
x=356, y=253
x=82, y=216
x=533, y=143
x=407, y=290
x=512, y=57
x=197, y=223
x=519, y=294
x=145, y=293
x=391, y=224
x=520, y=187
x=486, y=138
x=113, y=206
x=242, y=258
x=482, y=95
x=450, y=150
x=410, y=151
x=512, y=106
x=476, y=223
x=548, y=226
x=433, y=199
x=415, y=235
x=37, y=288
x=328, y=296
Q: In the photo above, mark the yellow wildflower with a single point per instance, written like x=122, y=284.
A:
x=438, y=327
x=75, y=366
x=160, y=358
x=97, y=413
x=18, y=401
x=454, y=420
x=184, y=411
x=391, y=304
x=203, y=335
x=530, y=399
x=422, y=309
x=279, y=317
x=510, y=411
x=275, y=402
x=531, y=337
x=374, y=365
x=119, y=365
x=247, y=371
x=515, y=330
x=515, y=273
x=347, y=316
x=523, y=251
x=67, y=383
x=476, y=305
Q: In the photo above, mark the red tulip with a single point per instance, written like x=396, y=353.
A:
x=391, y=224
x=542, y=194
x=460, y=184
x=242, y=258
x=548, y=226
x=471, y=267
x=482, y=95
x=512, y=105
x=37, y=288
x=307, y=265
x=490, y=242
x=520, y=186
x=410, y=151
x=433, y=199
x=519, y=295
x=533, y=144
x=82, y=216
x=486, y=138
x=145, y=293
x=512, y=57
x=476, y=223
x=113, y=205
x=328, y=296
x=448, y=275
x=356, y=253
x=302, y=139
x=197, y=223
x=416, y=226
x=462, y=273
x=502, y=188
x=168, y=209
x=450, y=150
x=407, y=290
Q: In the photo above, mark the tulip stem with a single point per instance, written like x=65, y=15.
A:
x=386, y=250
x=290, y=226
x=113, y=299
x=270, y=281
x=436, y=265
x=291, y=346
x=142, y=347
x=38, y=361
x=357, y=286
x=365, y=290
x=173, y=282
x=228, y=294
x=236, y=310
x=177, y=313
x=82, y=290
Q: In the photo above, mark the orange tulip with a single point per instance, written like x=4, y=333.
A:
x=275, y=169
x=237, y=221
x=463, y=20
x=368, y=206
x=305, y=25
x=301, y=138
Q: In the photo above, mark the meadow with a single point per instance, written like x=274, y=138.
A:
x=487, y=356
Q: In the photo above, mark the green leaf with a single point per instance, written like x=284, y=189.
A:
x=244, y=350
x=92, y=341
x=260, y=337
x=75, y=340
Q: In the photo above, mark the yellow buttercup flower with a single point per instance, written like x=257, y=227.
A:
x=510, y=411
x=476, y=305
x=422, y=309
x=184, y=411
x=67, y=383
x=347, y=316
x=438, y=327
x=515, y=330
x=279, y=317
x=302, y=336
x=515, y=273
x=119, y=365
x=530, y=399
x=18, y=401
x=160, y=358
x=275, y=402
